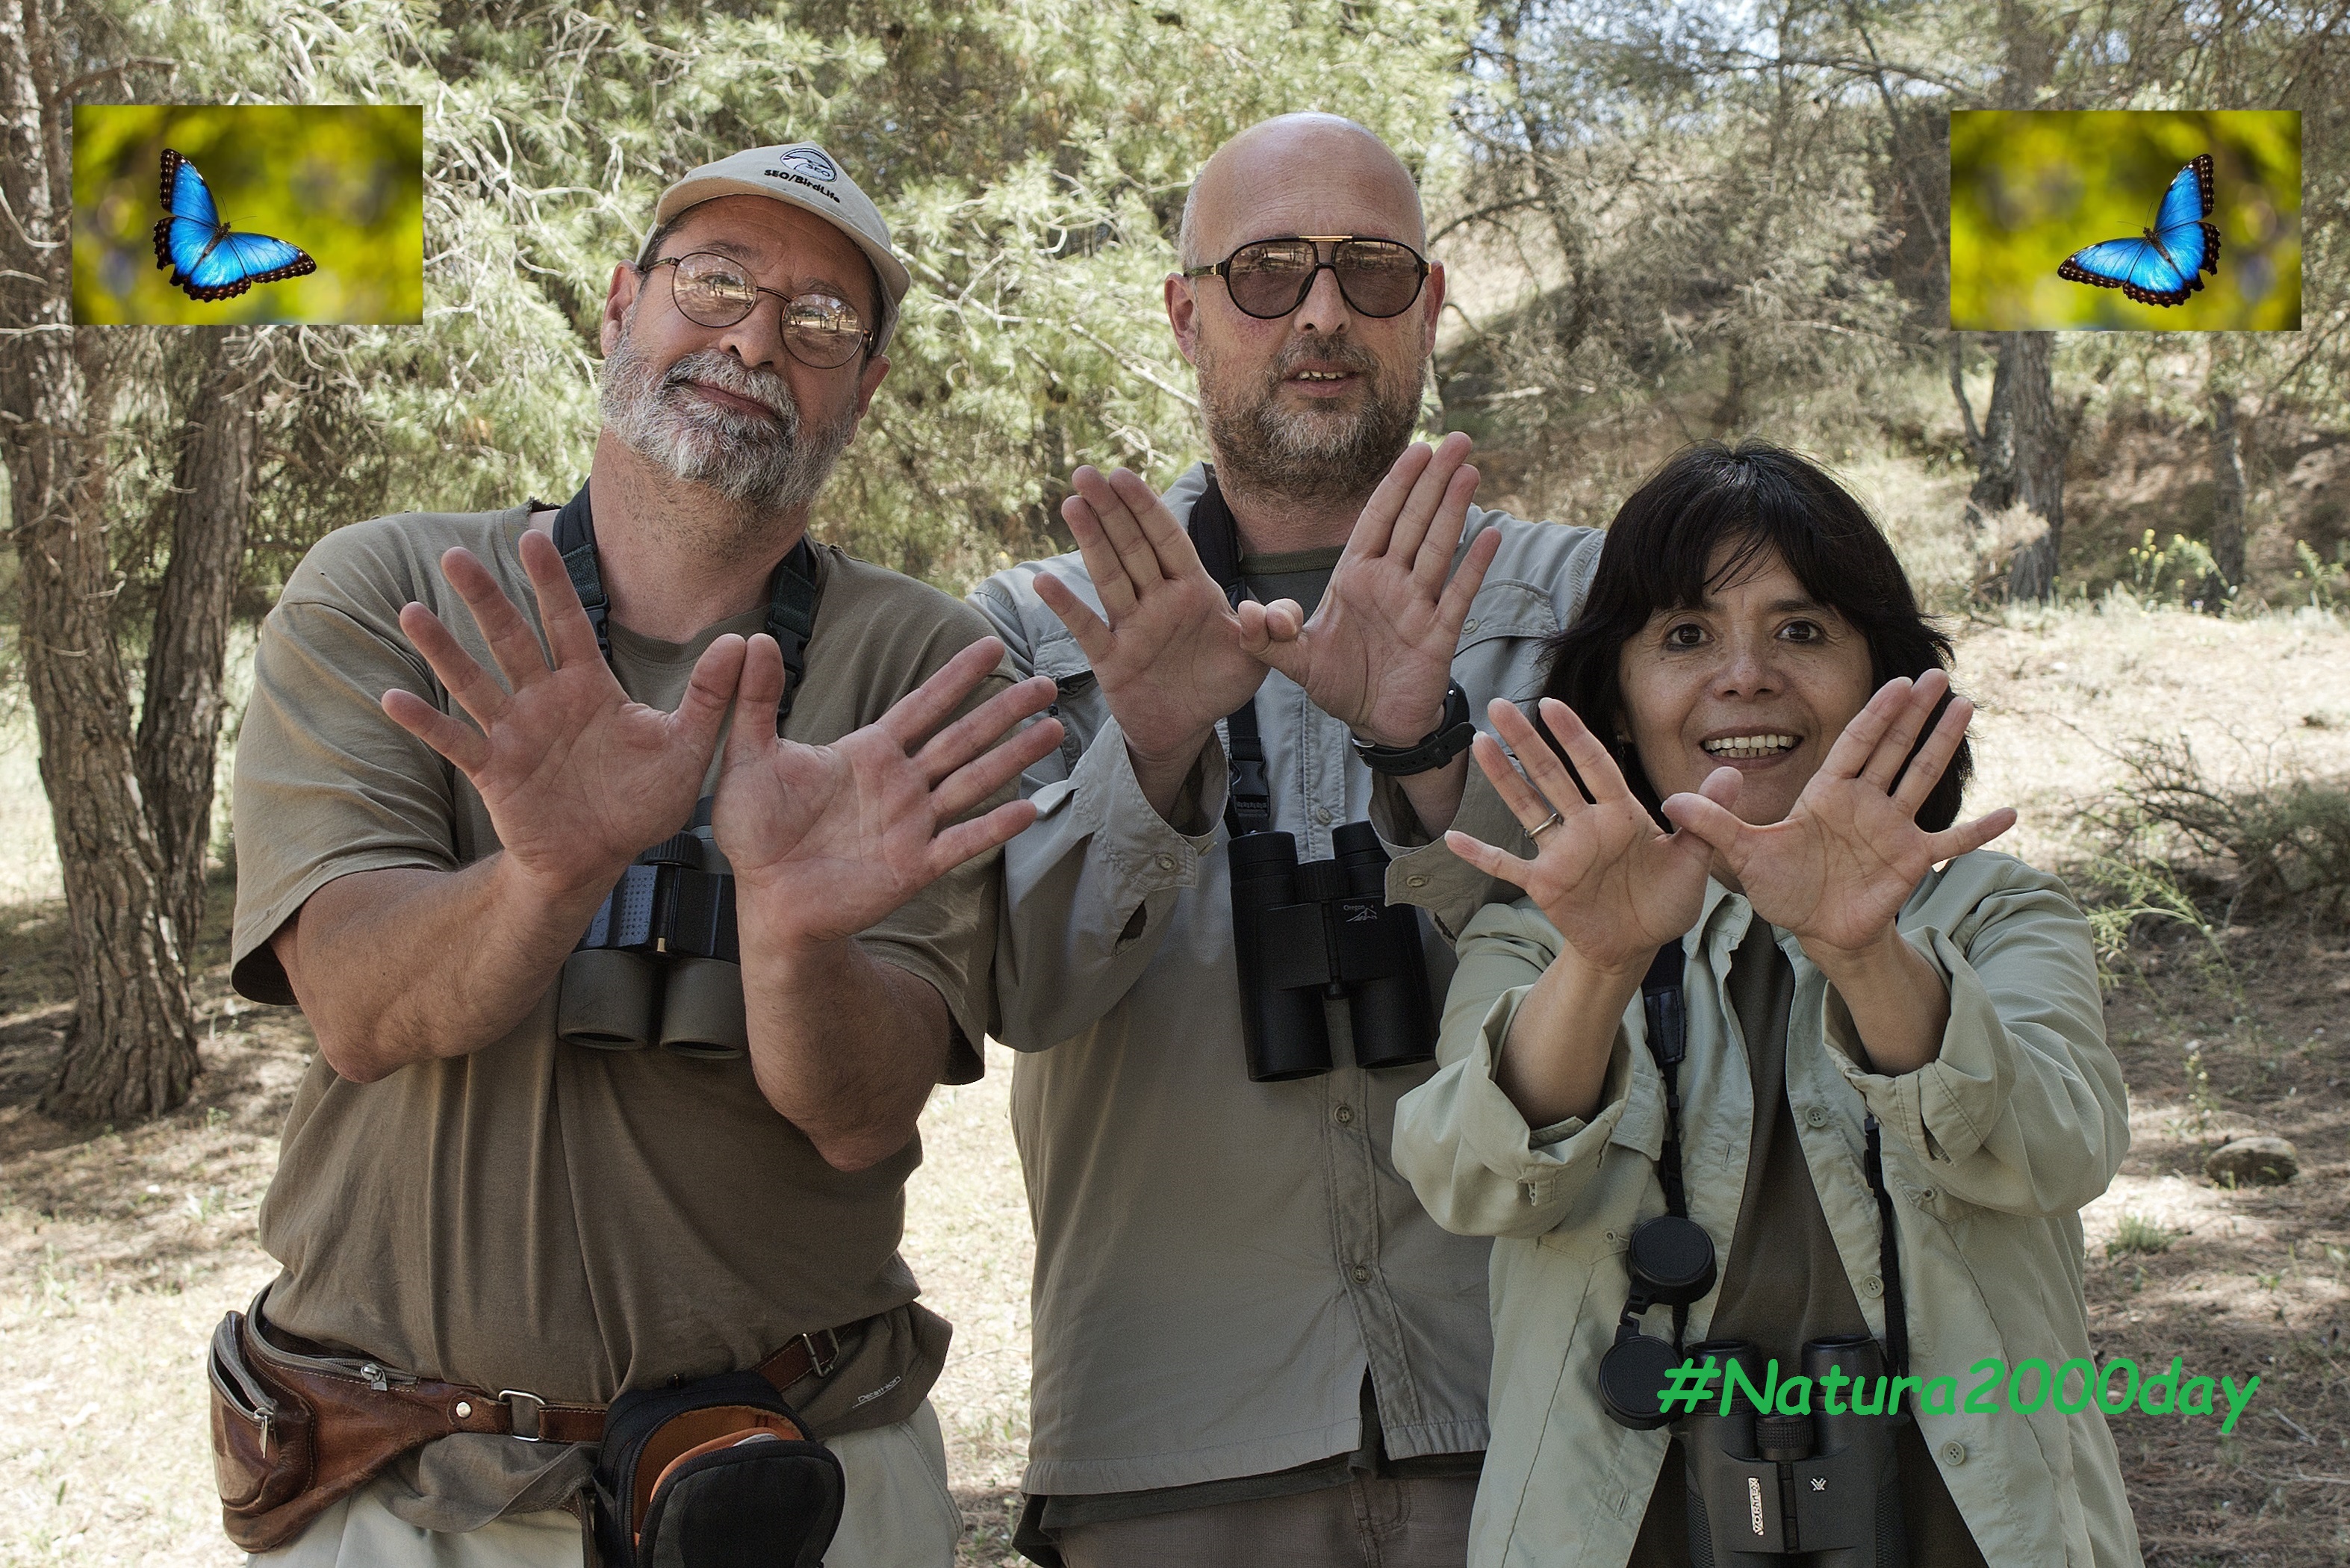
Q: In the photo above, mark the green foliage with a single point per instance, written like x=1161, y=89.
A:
x=346, y=185
x=2030, y=188
x=2174, y=573
x=1032, y=157
x=2327, y=583
x=2137, y=1236
x=2286, y=838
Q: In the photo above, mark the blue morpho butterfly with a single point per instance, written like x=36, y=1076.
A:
x=206, y=260
x=2166, y=264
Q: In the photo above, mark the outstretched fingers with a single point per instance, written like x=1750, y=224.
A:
x=993, y=768
x=465, y=747
x=1452, y=606
x=1859, y=742
x=1901, y=732
x=1525, y=803
x=1933, y=758
x=570, y=635
x=511, y=641
x=1705, y=814
x=915, y=716
x=1493, y=862
x=966, y=840
x=475, y=690
x=972, y=734
x=1966, y=836
x=710, y=691
x=1375, y=525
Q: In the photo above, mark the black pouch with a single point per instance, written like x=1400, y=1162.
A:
x=711, y=1474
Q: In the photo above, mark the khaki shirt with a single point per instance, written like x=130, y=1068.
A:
x=1991, y=1150
x=1218, y=1261
x=536, y=1215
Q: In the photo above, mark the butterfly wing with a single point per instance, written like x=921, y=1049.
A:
x=2133, y=266
x=259, y=258
x=2193, y=245
x=208, y=261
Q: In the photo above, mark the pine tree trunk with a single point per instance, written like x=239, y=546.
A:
x=2227, y=501
x=2024, y=457
x=180, y=719
x=133, y=1052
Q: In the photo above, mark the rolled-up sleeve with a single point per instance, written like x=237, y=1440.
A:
x=1426, y=872
x=2023, y=1108
x=1465, y=1148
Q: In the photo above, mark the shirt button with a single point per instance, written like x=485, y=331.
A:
x=1414, y=881
x=1815, y=1115
x=1322, y=815
x=1167, y=863
x=1362, y=1274
x=1954, y=1453
x=1872, y=1286
x=1346, y=1115
x=464, y=1410
x=1468, y=626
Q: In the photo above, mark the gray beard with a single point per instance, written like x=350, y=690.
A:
x=764, y=465
x=1305, y=456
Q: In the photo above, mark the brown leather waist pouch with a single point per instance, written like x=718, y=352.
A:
x=293, y=1434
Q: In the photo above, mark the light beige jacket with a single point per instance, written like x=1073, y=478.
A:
x=1990, y=1152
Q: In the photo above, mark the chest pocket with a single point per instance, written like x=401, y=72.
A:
x=1502, y=642
x=1077, y=701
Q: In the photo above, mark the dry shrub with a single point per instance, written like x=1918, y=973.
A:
x=2285, y=841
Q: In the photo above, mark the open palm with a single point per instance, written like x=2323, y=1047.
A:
x=1168, y=654
x=1617, y=887
x=829, y=839
x=1842, y=863
x=576, y=777
x=1378, y=652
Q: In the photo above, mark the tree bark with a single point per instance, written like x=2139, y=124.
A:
x=2021, y=459
x=133, y=1052
x=180, y=718
x=2226, y=500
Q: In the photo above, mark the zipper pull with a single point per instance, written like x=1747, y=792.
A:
x=375, y=1378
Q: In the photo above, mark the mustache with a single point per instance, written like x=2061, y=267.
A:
x=1334, y=354
x=711, y=368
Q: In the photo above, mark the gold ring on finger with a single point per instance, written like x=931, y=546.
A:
x=1538, y=829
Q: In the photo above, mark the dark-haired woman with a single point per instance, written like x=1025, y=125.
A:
x=1761, y=718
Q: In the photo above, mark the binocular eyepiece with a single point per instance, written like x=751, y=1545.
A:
x=1824, y=1488
x=661, y=962
x=1324, y=930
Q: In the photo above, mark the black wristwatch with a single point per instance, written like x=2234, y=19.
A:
x=1450, y=737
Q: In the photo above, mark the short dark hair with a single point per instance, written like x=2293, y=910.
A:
x=1755, y=498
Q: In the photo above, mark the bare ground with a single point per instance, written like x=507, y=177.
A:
x=119, y=1248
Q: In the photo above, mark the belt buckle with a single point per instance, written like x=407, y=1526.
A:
x=514, y=1412
x=818, y=1362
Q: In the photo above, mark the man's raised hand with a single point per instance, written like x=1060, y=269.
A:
x=1167, y=649
x=827, y=840
x=1378, y=652
x=577, y=777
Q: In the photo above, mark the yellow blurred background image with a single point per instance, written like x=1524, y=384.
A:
x=2029, y=188
x=345, y=185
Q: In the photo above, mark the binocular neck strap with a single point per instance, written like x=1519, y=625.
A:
x=1889, y=1254
x=1248, y=792
x=1661, y=999
x=792, y=594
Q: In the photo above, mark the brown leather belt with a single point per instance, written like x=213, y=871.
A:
x=509, y=1412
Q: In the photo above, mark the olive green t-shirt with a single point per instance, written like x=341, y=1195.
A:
x=536, y=1215
x=1786, y=1283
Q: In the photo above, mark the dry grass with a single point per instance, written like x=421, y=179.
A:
x=120, y=1250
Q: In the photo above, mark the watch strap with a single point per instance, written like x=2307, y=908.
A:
x=1450, y=737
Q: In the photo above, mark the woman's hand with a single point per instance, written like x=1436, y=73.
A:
x=1839, y=866
x=1616, y=887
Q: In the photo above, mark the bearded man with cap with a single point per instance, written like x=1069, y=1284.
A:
x=1253, y=1346
x=430, y=809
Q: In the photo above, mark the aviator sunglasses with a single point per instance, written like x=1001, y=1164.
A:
x=1270, y=278
x=819, y=331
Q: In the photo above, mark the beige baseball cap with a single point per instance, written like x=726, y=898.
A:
x=803, y=175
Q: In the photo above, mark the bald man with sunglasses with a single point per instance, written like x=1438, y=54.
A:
x=1251, y=1343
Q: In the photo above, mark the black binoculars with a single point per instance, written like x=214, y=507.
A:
x=1302, y=933
x=1824, y=1488
x=660, y=962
